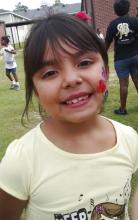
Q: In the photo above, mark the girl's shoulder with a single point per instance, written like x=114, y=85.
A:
x=125, y=133
x=123, y=127
x=17, y=165
x=24, y=144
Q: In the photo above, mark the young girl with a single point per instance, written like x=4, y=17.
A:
x=76, y=164
x=8, y=53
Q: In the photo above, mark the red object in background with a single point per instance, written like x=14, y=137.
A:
x=83, y=16
x=101, y=87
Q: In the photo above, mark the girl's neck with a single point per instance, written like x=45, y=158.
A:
x=72, y=128
x=93, y=136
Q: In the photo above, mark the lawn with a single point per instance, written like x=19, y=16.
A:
x=12, y=104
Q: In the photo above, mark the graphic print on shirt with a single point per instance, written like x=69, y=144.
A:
x=107, y=210
x=125, y=34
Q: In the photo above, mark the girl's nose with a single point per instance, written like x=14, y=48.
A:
x=71, y=81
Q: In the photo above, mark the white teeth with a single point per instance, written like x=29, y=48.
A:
x=74, y=101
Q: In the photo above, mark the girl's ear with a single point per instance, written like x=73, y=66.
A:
x=35, y=92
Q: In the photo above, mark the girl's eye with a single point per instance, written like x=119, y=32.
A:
x=48, y=74
x=85, y=63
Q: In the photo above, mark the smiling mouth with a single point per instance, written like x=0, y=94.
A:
x=77, y=100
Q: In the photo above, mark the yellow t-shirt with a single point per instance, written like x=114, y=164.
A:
x=65, y=186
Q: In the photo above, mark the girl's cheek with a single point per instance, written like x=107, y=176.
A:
x=101, y=88
x=104, y=73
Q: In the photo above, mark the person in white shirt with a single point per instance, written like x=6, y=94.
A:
x=8, y=53
x=99, y=34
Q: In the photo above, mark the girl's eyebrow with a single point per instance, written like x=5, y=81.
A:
x=81, y=53
x=51, y=62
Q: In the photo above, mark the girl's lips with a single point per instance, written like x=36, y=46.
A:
x=77, y=99
x=77, y=96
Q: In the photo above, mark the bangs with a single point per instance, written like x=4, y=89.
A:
x=57, y=49
x=65, y=34
x=52, y=33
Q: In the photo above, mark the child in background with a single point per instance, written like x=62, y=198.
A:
x=99, y=34
x=76, y=164
x=10, y=64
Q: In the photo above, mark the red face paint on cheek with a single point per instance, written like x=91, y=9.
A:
x=101, y=88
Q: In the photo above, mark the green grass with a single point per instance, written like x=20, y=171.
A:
x=12, y=104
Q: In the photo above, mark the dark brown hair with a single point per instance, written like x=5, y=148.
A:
x=121, y=7
x=51, y=31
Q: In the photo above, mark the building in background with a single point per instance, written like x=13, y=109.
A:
x=2, y=29
x=41, y=12
x=18, y=23
x=102, y=12
x=8, y=17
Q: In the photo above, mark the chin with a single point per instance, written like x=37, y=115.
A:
x=77, y=119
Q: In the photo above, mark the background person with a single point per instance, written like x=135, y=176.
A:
x=8, y=53
x=99, y=34
x=123, y=31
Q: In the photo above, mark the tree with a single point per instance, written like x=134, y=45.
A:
x=19, y=6
x=47, y=9
x=57, y=2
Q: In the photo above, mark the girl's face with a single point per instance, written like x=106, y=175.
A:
x=71, y=90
